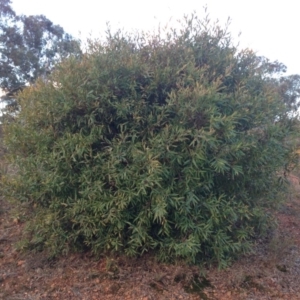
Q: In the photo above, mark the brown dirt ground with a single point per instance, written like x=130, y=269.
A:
x=272, y=272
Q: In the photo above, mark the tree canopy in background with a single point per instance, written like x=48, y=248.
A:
x=30, y=46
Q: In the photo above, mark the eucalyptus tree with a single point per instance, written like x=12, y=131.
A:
x=30, y=46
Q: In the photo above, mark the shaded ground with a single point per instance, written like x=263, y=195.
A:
x=272, y=272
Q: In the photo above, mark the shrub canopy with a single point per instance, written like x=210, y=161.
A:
x=168, y=142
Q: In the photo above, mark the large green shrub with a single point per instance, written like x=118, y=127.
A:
x=171, y=142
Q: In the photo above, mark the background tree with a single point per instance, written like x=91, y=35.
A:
x=289, y=88
x=30, y=46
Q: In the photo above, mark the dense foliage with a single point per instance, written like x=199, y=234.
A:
x=171, y=142
x=29, y=47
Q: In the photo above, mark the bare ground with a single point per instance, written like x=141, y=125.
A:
x=272, y=272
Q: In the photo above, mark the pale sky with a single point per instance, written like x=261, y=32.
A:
x=271, y=28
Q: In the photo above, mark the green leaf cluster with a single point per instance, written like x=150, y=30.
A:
x=170, y=142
